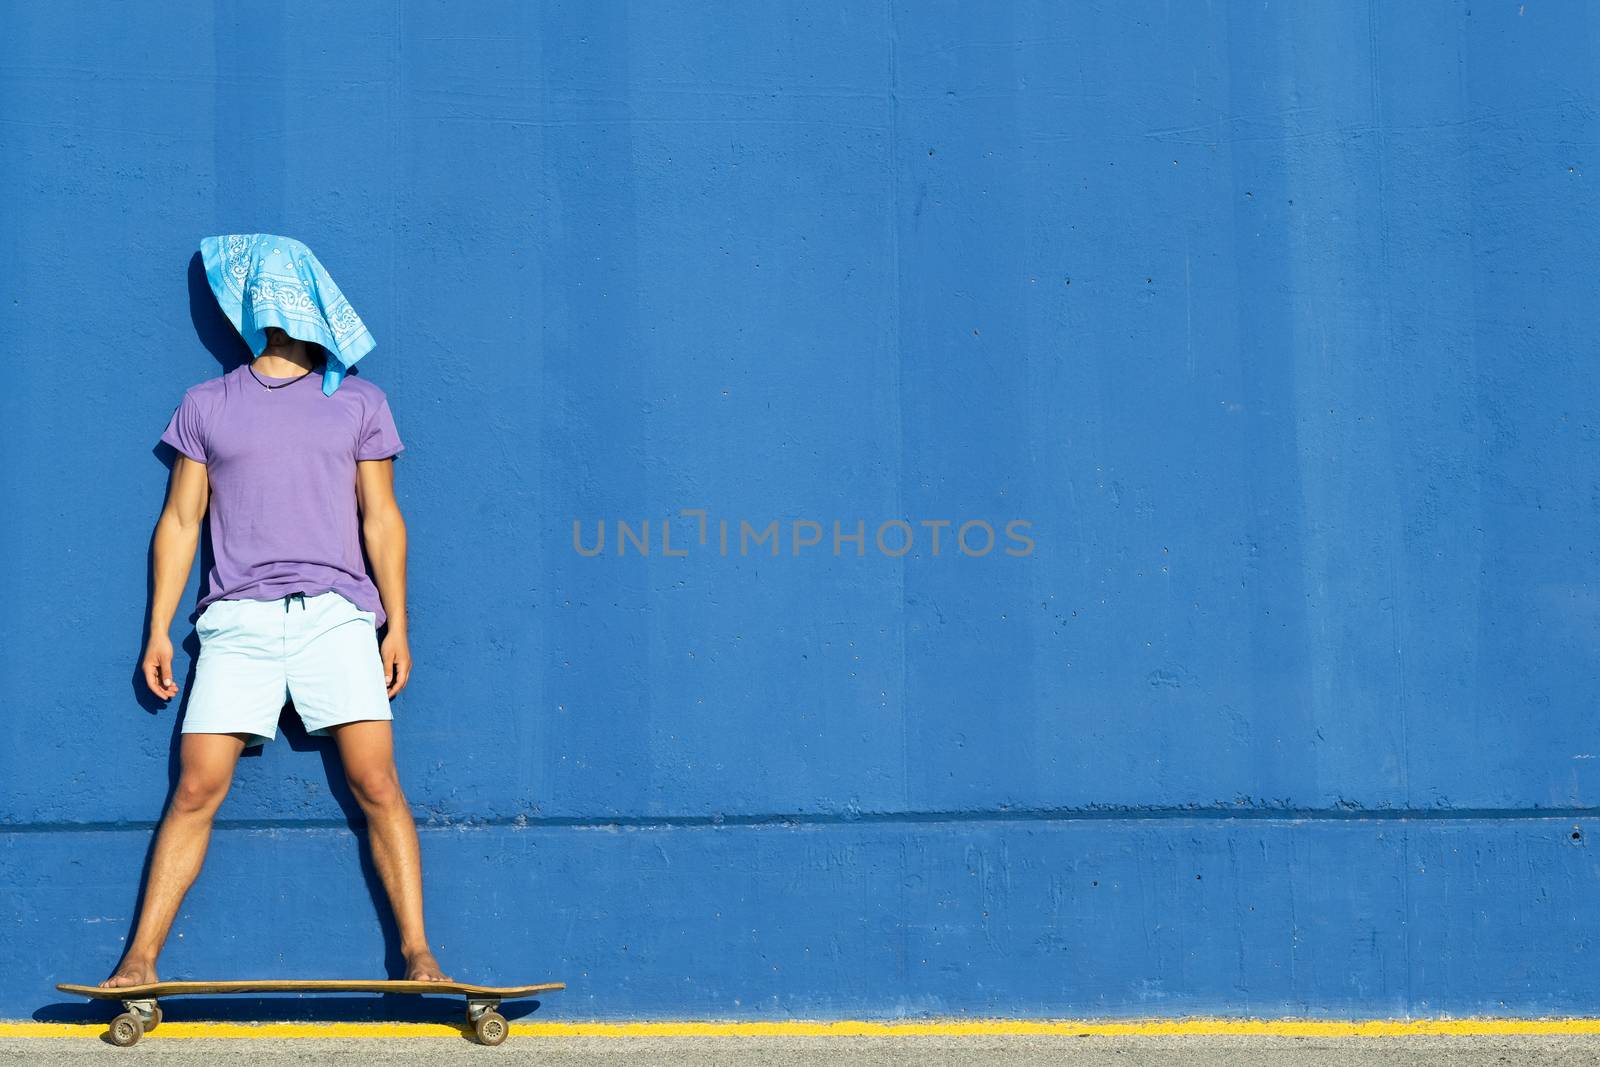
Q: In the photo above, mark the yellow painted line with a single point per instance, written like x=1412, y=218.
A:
x=1193, y=1027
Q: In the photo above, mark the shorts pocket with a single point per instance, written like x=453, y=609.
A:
x=355, y=609
x=212, y=619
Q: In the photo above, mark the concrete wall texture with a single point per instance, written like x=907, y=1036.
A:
x=1274, y=323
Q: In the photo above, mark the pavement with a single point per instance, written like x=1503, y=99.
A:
x=941, y=1051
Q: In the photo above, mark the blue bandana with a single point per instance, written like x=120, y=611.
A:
x=262, y=280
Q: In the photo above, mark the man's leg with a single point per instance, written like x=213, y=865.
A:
x=207, y=761
x=367, y=749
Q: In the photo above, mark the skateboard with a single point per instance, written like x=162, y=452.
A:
x=144, y=1014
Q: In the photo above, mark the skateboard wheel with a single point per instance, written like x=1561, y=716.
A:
x=492, y=1028
x=126, y=1029
x=155, y=1020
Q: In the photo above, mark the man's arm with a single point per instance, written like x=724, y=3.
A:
x=176, y=538
x=383, y=529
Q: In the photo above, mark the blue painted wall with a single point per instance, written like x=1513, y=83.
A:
x=1275, y=323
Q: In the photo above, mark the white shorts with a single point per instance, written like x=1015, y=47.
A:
x=319, y=651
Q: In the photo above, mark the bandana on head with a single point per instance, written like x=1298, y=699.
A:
x=262, y=280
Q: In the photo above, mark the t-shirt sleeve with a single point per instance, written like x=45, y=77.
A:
x=186, y=430
x=379, y=437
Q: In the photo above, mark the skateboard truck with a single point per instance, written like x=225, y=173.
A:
x=486, y=1020
x=141, y=1017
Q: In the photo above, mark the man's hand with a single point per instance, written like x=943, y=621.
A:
x=158, y=666
x=396, y=651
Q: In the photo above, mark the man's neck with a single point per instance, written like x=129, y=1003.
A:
x=290, y=361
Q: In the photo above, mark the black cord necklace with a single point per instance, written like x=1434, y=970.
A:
x=280, y=385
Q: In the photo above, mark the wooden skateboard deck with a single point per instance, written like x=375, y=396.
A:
x=143, y=1013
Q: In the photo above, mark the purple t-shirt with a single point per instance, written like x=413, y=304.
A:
x=282, y=468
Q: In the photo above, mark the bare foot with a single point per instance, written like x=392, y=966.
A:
x=422, y=967
x=133, y=971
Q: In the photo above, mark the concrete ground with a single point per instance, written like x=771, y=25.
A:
x=1207, y=1051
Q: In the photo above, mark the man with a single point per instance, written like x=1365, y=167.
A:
x=288, y=474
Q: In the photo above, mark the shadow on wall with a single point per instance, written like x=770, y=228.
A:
x=210, y=324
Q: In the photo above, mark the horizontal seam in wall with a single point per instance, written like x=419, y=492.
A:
x=427, y=821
